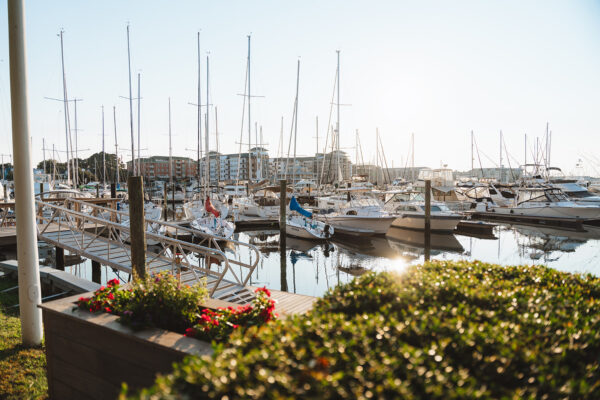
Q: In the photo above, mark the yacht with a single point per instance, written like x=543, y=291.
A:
x=263, y=204
x=409, y=208
x=363, y=216
x=547, y=202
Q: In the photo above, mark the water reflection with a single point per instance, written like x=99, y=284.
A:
x=311, y=268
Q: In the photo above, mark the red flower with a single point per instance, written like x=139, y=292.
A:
x=113, y=282
x=264, y=290
x=111, y=296
x=190, y=332
x=101, y=288
x=107, y=309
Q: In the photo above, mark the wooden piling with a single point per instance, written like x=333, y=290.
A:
x=282, y=233
x=427, y=220
x=137, y=235
x=165, y=206
x=96, y=272
x=60, y=258
x=98, y=191
x=113, y=190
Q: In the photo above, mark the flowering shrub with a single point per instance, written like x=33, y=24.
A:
x=158, y=301
x=103, y=298
x=218, y=325
x=444, y=330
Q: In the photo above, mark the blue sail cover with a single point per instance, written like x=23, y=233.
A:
x=295, y=206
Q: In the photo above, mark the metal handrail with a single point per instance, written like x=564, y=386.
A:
x=76, y=221
x=211, y=238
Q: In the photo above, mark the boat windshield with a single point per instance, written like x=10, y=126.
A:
x=556, y=195
x=541, y=195
x=366, y=202
x=404, y=197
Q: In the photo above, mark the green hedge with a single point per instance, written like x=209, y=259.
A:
x=443, y=330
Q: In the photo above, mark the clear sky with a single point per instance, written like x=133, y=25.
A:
x=436, y=68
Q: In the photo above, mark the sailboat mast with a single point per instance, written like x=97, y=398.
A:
x=53, y=165
x=525, y=149
x=472, y=153
x=65, y=105
x=249, y=120
x=44, y=151
x=412, y=158
x=133, y=167
x=338, y=116
x=500, y=156
x=139, y=99
x=217, y=155
x=317, y=152
x=103, y=153
x=258, y=171
x=199, y=105
x=170, y=149
x=76, y=174
x=116, y=143
x=296, y=123
x=206, y=135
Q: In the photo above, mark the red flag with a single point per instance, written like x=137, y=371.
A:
x=209, y=207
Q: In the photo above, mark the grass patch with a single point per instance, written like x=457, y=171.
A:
x=445, y=330
x=22, y=369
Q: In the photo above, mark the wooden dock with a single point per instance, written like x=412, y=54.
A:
x=249, y=224
x=569, y=223
x=54, y=278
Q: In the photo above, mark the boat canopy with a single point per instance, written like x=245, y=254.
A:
x=295, y=206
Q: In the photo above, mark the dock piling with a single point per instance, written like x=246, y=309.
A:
x=60, y=258
x=137, y=235
x=282, y=233
x=96, y=272
x=427, y=219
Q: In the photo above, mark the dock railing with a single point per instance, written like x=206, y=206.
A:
x=85, y=226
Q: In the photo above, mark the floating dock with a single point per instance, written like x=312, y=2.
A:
x=569, y=223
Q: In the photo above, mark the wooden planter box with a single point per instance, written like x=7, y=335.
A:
x=89, y=355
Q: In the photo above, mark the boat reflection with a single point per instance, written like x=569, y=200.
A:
x=370, y=246
x=548, y=244
x=411, y=244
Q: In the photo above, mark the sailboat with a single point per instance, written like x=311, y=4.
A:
x=209, y=220
x=300, y=223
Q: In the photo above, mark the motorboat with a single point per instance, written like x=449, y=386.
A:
x=263, y=204
x=363, y=217
x=547, y=202
x=300, y=223
x=409, y=207
x=578, y=193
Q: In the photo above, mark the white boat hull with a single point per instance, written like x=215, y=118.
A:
x=439, y=223
x=358, y=225
x=551, y=211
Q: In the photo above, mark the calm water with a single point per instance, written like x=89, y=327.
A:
x=312, y=268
